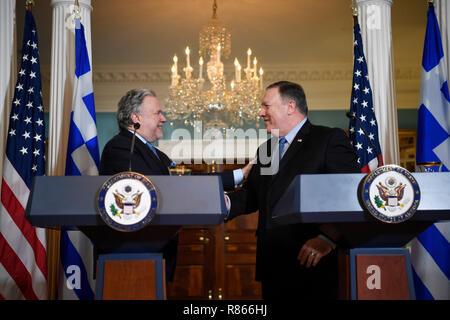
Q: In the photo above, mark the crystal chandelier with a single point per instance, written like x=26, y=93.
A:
x=216, y=103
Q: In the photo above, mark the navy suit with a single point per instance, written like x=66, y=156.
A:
x=315, y=149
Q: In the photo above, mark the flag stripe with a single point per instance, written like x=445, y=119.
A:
x=429, y=272
x=84, y=121
x=9, y=287
x=438, y=248
x=17, y=214
x=13, y=266
x=24, y=252
x=444, y=229
x=72, y=257
x=82, y=158
x=88, y=100
x=434, y=52
x=15, y=183
x=422, y=292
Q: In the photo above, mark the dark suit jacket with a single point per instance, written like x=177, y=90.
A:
x=116, y=158
x=315, y=149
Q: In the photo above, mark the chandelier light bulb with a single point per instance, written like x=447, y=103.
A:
x=200, y=72
x=188, y=60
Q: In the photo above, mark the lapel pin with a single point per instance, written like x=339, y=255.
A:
x=299, y=140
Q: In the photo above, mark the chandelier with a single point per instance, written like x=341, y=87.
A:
x=216, y=103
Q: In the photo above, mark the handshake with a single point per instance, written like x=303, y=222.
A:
x=245, y=172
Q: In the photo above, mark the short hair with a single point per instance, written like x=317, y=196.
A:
x=130, y=104
x=293, y=91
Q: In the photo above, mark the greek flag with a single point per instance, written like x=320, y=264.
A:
x=82, y=159
x=430, y=251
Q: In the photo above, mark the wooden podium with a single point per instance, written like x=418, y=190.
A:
x=375, y=266
x=129, y=265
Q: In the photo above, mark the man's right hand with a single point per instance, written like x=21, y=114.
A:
x=248, y=167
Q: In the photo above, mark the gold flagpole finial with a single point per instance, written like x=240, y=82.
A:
x=29, y=4
x=354, y=8
x=431, y=1
x=76, y=10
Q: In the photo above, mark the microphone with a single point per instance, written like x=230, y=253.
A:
x=352, y=115
x=136, y=126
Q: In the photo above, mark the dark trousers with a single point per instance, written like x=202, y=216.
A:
x=280, y=272
x=298, y=282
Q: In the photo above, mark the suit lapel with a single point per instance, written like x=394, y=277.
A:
x=147, y=154
x=289, y=165
x=163, y=161
x=152, y=159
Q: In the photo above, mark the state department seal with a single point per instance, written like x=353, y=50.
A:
x=391, y=194
x=127, y=201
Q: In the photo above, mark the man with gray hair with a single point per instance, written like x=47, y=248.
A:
x=138, y=108
x=140, y=111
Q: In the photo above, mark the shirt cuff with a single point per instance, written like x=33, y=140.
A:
x=228, y=206
x=238, y=177
x=328, y=240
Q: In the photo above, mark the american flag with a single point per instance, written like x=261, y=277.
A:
x=361, y=107
x=23, y=268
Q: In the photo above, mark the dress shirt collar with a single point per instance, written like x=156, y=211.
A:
x=139, y=136
x=291, y=134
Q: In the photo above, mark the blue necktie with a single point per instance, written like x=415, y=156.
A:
x=282, y=144
x=153, y=149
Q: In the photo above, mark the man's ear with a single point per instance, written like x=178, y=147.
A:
x=134, y=118
x=292, y=107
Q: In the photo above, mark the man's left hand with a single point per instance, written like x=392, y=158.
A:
x=313, y=251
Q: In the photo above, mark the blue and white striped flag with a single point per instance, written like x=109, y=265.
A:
x=430, y=251
x=82, y=159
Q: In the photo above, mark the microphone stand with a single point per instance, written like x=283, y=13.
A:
x=136, y=126
x=352, y=115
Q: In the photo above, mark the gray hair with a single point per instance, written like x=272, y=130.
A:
x=130, y=104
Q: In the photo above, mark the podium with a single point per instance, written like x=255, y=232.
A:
x=126, y=257
x=369, y=243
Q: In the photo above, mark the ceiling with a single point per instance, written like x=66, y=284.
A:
x=278, y=31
